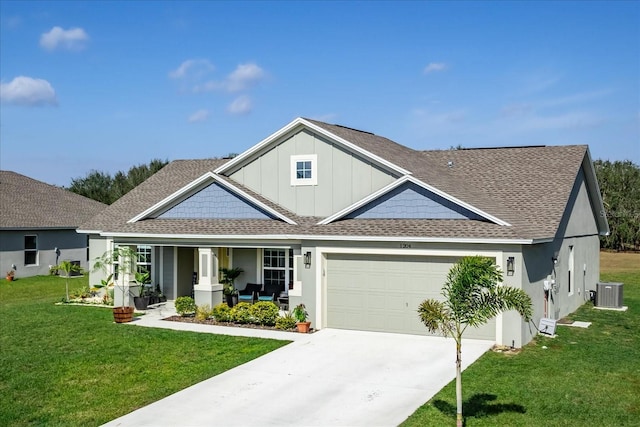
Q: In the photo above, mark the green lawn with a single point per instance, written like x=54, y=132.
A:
x=69, y=365
x=583, y=376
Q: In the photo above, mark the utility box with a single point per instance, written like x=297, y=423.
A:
x=609, y=294
x=547, y=326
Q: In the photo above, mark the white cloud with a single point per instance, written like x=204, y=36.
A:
x=241, y=105
x=199, y=116
x=327, y=118
x=71, y=39
x=244, y=77
x=197, y=66
x=435, y=66
x=27, y=91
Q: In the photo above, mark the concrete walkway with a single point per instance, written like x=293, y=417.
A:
x=329, y=378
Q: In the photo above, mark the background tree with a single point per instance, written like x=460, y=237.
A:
x=101, y=186
x=472, y=297
x=620, y=187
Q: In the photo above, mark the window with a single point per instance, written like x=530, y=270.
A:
x=570, y=271
x=143, y=262
x=30, y=250
x=278, y=267
x=304, y=170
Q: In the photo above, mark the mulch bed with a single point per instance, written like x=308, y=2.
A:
x=192, y=319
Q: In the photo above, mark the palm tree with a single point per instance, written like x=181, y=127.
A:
x=68, y=267
x=472, y=297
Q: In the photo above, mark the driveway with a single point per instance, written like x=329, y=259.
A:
x=330, y=378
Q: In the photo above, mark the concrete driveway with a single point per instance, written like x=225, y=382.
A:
x=329, y=378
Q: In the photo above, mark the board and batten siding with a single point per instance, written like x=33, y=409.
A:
x=343, y=177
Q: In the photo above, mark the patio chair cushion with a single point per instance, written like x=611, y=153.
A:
x=250, y=292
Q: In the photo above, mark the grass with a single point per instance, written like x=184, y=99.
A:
x=70, y=365
x=581, y=377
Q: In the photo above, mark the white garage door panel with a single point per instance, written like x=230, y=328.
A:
x=382, y=293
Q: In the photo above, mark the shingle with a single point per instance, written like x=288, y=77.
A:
x=28, y=203
x=527, y=187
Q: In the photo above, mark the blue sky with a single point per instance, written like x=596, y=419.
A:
x=109, y=85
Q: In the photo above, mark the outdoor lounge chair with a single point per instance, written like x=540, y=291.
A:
x=249, y=293
x=270, y=292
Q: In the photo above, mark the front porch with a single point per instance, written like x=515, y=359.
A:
x=269, y=272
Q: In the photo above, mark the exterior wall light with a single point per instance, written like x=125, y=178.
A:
x=307, y=260
x=511, y=266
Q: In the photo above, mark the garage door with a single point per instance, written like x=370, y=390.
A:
x=382, y=293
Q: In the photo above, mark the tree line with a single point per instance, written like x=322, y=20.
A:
x=103, y=187
x=620, y=187
x=619, y=184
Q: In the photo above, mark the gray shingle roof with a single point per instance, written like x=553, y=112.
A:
x=527, y=187
x=27, y=203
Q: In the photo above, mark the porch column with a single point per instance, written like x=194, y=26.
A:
x=208, y=290
x=125, y=286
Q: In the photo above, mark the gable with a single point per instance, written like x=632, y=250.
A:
x=342, y=177
x=580, y=214
x=410, y=201
x=214, y=202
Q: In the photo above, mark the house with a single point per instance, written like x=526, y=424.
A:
x=38, y=225
x=362, y=229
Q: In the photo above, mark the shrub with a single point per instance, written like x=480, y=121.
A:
x=203, y=312
x=185, y=305
x=240, y=313
x=264, y=313
x=286, y=322
x=222, y=312
x=82, y=292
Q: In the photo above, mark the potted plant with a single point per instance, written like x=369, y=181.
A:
x=11, y=274
x=229, y=275
x=122, y=259
x=301, y=316
x=143, y=300
x=160, y=295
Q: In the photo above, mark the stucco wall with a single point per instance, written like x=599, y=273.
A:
x=247, y=260
x=72, y=247
x=97, y=247
x=343, y=178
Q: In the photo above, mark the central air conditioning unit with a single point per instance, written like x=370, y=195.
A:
x=609, y=295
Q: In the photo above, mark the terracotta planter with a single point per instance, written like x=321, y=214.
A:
x=10, y=278
x=303, y=327
x=122, y=314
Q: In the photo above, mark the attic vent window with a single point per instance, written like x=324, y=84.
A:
x=304, y=170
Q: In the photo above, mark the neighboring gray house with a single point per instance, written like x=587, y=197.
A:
x=362, y=229
x=38, y=225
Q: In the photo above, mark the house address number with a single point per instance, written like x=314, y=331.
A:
x=405, y=245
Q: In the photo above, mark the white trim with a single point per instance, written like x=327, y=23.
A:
x=88, y=231
x=302, y=122
x=297, y=158
x=259, y=264
x=397, y=183
x=289, y=237
x=194, y=185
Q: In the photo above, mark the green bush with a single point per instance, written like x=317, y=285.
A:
x=264, y=313
x=185, y=305
x=221, y=312
x=286, y=322
x=240, y=313
x=203, y=312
